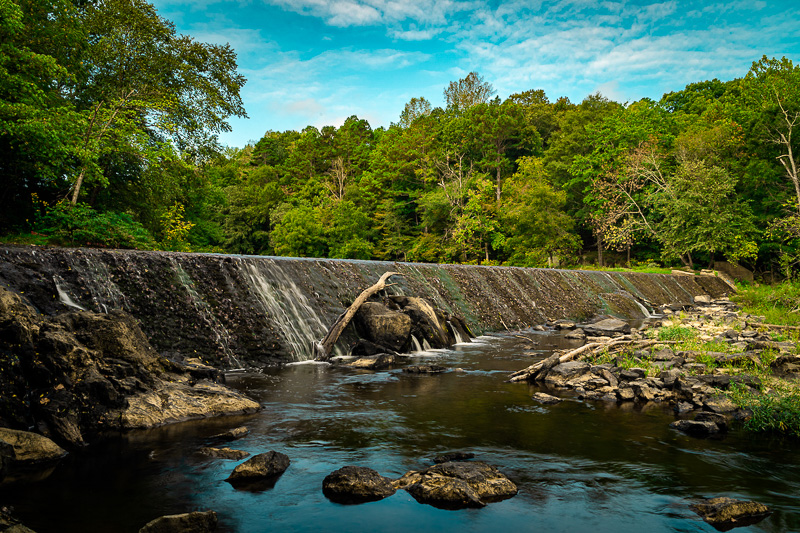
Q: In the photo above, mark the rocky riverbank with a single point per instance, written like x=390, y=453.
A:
x=73, y=376
x=708, y=361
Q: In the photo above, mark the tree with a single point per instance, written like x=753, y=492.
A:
x=145, y=85
x=539, y=229
x=468, y=91
x=415, y=108
x=701, y=213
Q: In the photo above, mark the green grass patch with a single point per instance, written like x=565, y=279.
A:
x=779, y=303
x=676, y=333
x=776, y=410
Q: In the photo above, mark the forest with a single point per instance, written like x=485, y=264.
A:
x=109, y=124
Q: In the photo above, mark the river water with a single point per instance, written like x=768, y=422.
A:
x=579, y=466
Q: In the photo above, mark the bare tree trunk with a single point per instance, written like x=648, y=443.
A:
x=599, y=252
x=325, y=347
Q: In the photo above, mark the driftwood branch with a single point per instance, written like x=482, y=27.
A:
x=325, y=347
x=593, y=348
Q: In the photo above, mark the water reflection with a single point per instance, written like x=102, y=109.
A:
x=579, y=466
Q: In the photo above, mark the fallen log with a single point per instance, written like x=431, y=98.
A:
x=593, y=348
x=325, y=347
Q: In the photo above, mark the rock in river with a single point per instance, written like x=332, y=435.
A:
x=197, y=522
x=356, y=484
x=264, y=467
x=30, y=448
x=458, y=485
x=727, y=513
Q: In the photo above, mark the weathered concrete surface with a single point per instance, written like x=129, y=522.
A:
x=233, y=311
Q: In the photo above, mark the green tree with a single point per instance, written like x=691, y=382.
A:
x=468, y=91
x=540, y=233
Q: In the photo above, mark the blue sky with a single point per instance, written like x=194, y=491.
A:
x=317, y=62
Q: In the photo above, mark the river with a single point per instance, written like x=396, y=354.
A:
x=579, y=466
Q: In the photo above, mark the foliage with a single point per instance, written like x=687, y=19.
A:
x=676, y=333
x=80, y=225
x=779, y=303
x=777, y=410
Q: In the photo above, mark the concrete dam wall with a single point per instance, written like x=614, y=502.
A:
x=234, y=311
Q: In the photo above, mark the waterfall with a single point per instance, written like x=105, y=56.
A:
x=415, y=342
x=63, y=296
x=455, y=332
x=285, y=305
x=99, y=281
x=221, y=335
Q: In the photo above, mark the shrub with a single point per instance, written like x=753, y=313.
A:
x=80, y=225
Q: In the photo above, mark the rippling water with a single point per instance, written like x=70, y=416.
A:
x=579, y=466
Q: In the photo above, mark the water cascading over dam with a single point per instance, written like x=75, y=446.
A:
x=252, y=311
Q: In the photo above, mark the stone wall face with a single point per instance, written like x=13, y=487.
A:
x=234, y=311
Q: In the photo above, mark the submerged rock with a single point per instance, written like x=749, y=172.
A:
x=425, y=369
x=196, y=522
x=264, y=467
x=356, y=484
x=728, y=513
x=458, y=485
x=453, y=456
x=224, y=453
x=232, y=434
x=696, y=428
x=374, y=362
x=546, y=399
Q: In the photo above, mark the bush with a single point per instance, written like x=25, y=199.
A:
x=80, y=225
x=777, y=411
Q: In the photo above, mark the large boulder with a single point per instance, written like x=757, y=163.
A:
x=356, y=484
x=427, y=322
x=29, y=448
x=89, y=372
x=260, y=471
x=384, y=327
x=728, y=513
x=8, y=524
x=561, y=374
x=196, y=522
x=458, y=485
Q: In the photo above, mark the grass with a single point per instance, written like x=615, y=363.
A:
x=779, y=303
x=775, y=409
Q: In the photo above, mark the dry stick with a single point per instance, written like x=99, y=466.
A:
x=325, y=347
x=593, y=348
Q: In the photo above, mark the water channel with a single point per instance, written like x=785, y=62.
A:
x=579, y=466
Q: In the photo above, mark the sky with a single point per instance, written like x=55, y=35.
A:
x=318, y=62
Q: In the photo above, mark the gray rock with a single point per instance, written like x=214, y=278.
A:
x=564, y=324
x=425, y=369
x=669, y=377
x=664, y=354
x=632, y=374
x=696, y=428
x=453, y=456
x=547, y=365
x=609, y=326
x=577, y=334
x=224, y=453
x=374, y=362
x=608, y=376
x=560, y=374
x=262, y=467
x=356, y=484
x=197, y=522
x=727, y=513
x=546, y=399
x=9, y=524
x=719, y=419
x=719, y=405
x=457, y=485
x=683, y=407
x=625, y=394
x=232, y=434
x=377, y=323
x=30, y=448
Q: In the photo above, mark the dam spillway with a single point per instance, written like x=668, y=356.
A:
x=253, y=311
